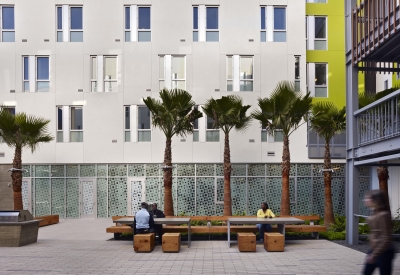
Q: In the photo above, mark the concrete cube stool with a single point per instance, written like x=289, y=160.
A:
x=143, y=242
x=274, y=242
x=171, y=242
x=246, y=242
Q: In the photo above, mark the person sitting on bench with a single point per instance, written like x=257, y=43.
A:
x=264, y=212
x=143, y=222
x=156, y=213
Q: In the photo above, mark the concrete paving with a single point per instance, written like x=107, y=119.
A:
x=81, y=247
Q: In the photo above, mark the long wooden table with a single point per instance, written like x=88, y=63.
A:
x=278, y=221
x=162, y=221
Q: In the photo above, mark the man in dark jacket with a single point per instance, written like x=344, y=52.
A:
x=157, y=227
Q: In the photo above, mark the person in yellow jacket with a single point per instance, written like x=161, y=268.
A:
x=264, y=212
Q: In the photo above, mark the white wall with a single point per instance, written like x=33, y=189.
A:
x=138, y=70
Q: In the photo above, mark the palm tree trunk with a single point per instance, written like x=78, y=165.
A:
x=383, y=177
x=329, y=217
x=17, y=179
x=168, y=203
x=285, y=199
x=227, y=178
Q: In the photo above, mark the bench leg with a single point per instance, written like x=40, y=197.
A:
x=116, y=236
x=315, y=235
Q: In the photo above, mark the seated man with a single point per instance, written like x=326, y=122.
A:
x=143, y=222
x=157, y=227
x=264, y=212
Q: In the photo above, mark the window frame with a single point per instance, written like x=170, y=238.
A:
x=127, y=130
x=326, y=33
x=70, y=7
x=212, y=30
x=178, y=79
x=68, y=28
x=166, y=75
x=2, y=29
x=196, y=131
x=94, y=72
x=104, y=74
x=25, y=67
x=267, y=34
x=246, y=79
x=236, y=69
x=297, y=72
x=326, y=77
x=37, y=81
x=143, y=130
x=211, y=130
x=60, y=132
x=195, y=30
x=71, y=131
x=280, y=30
x=137, y=23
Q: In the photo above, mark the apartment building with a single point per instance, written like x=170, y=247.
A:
x=86, y=65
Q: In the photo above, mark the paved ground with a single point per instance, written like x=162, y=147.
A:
x=81, y=247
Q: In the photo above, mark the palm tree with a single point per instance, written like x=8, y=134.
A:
x=328, y=120
x=284, y=110
x=364, y=99
x=227, y=113
x=22, y=131
x=174, y=115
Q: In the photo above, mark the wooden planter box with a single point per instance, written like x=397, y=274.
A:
x=14, y=234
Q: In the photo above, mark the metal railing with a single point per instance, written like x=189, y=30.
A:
x=373, y=23
x=379, y=120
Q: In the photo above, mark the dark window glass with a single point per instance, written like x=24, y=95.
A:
x=297, y=68
x=196, y=124
x=42, y=68
x=212, y=18
x=26, y=68
x=263, y=18
x=76, y=118
x=320, y=74
x=59, y=119
x=210, y=123
x=127, y=118
x=320, y=27
x=144, y=18
x=8, y=18
x=143, y=118
x=76, y=18
x=279, y=18
x=195, y=18
x=59, y=18
x=11, y=110
x=127, y=18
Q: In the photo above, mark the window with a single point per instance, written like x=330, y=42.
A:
x=196, y=131
x=212, y=135
x=105, y=68
x=317, y=79
x=76, y=131
x=205, y=23
x=127, y=113
x=297, y=83
x=10, y=109
x=386, y=84
x=144, y=130
x=321, y=88
x=316, y=146
x=273, y=24
x=316, y=1
x=277, y=137
x=316, y=28
x=137, y=23
x=7, y=24
x=239, y=73
x=60, y=133
x=172, y=70
x=36, y=73
x=69, y=23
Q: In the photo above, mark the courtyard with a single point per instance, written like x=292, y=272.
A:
x=82, y=247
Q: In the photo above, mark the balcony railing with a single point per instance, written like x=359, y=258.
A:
x=373, y=22
x=379, y=120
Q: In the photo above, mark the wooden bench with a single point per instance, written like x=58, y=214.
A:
x=47, y=220
x=118, y=229
x=302, y=228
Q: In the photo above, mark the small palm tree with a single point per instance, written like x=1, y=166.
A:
x=284, y=110
x=22, y=131
x=228, y=112
x=327, y=120
x=174, y=115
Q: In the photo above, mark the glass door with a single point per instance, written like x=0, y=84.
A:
x=136, y=194
x=88, y=198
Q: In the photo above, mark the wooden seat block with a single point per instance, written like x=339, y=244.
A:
x=143, y=242
x=274, y=242
x=246, y=242
x=171, y=242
